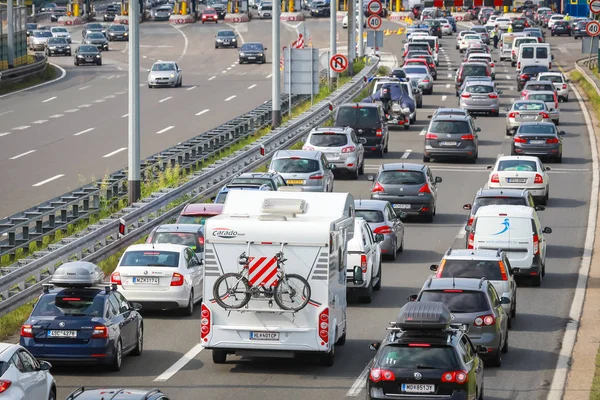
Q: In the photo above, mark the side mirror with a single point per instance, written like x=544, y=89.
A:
x=489, y=167
x=467, y=207
x=371, y=178
x=504, y=300
x=429, y=116
x=562, y=133
x=547, y=230
x=481, y=349
x=433, y=267
x=357, y=276
x=379, y=237
x=438, y=179
x=540, y=208
x=374, y=346
x=412, y=297
x=553, y=56
x=477, y=129
x=331, y=166
x=45, y=366
x=548, y=169
x=136, y=306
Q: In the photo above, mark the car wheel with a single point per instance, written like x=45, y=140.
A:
x=401, y=248
x=505, y=347
x=513, y=311
x=189, y=310
x=328, y=359
x=361, y=169
x=219, y=356
x=512, y=63
x=536, y=280
x=497, y=360
x=150, y=86
x=559, y=158
x=52, y=395
x=115, y=364
x=353, y=174
x=546, y=197
x=420, y=105
x=557, y=123
x=426, y=158
x=99, y=63
x=368, y=297
x=139, y=346
x=216, y=47
x=69, y=54
x=394, y=255
x=342, y=340
x=377, y=286
x=543, y=270
x=380, y=153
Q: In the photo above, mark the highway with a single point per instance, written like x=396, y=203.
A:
x=57, y=137
x=535, y=339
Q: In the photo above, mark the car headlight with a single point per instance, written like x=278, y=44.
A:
x=172, y=75
x=234, y=39
x=68, y=47
x=125, y=34
x=261, y=55
x=242, y=54
x=406, y=110
x=97, y=55
x=52, y=47
x=111, y=34
x=219, y=40
x=79, y=56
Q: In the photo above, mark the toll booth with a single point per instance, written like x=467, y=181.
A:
x=576, y=8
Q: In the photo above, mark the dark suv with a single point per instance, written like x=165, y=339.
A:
x=471, y=69
x=410, y=188
x=425, y=356
x=519, y=24
x=451, y=136
x=368, y=121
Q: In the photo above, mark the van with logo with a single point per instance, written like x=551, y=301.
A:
x=517, y=231
x=537, y=54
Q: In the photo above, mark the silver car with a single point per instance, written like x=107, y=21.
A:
x=561, y=84
x=341, y=147
x=163, y=13
x=60, y=32
x=525, y=111
x=39, y=39
x=480, y=96
x=382, y=219
x=422, y=76
x=307, y=169
x=164, y=73
x=548, y=97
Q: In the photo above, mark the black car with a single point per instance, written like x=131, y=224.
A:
x=519, y=24
x=435, y=28
x=116, y=394
x=30, y=28
x=93, y=27
x=221, y=10
x=87, y=54
x=578, y=30
x=226, y=38
x=111, y=12
x=425, y=356
x=57, y=13
x=97, y=39
x=118, y=32
x=528, y=73
x=320, y=10
x=57, y=46
x=368, y=121
x=561, y=28
x=400, y=73
x=253, y=52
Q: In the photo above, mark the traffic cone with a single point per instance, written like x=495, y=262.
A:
x=399, y=32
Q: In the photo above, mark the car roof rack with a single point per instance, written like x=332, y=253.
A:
x=422, y=316
x=80, y=274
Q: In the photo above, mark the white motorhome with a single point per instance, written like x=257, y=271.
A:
x=306, y=234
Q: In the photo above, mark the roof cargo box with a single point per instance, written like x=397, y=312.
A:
x=77, y=274
x=424, y=315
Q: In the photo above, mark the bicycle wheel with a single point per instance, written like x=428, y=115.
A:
x=231, y=290
x=292, y=292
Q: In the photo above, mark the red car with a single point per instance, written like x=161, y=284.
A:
x=210, y=15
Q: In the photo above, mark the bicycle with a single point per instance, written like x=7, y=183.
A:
x=291, y=291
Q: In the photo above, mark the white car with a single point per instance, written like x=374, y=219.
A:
x=467, y=40
x=446, y=27
x=461, y=35
x=521, y=172
x=492, y=20
x=561, y=84
x=60, y=32
x=160, y=276
x=23, y=376
x=165, y=73
x=364, y=251
x=503, y=22
x=345, y=22
x=553, y=19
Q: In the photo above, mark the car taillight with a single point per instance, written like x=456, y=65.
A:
x=426, y=80
x=115, y=277
x=324, y=326
x=470, y=221
x=492, y=95
x=539, y=40
x=524, y=76
x=431, y=136
x=383, y=230
x=454, y=377
x=545, y=115
x=465, y=95
x=177, y=279
x=555, y=102
x=316, y=176
x=349, y=149
x=503, y=271
x=432, y=66
x=513, y=115
x=381, y=375
x=519, y=140
x=4, y=385
x=205, y=318
x=538, y=179
x=379, y=132
x=310, y=148
x=467, y=137
x=485, y=320
x=425, y=189
x=471, y=241
x=564, y=85
x=377, y=188
x=100, y=332
x=492, y=65
x=514, y=53
x=363, y=263
x=495, y=179
x=27, y=331
x=552, y=141
x=519, y=65
x=536, y=245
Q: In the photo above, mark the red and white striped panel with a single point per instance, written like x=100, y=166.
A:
x=262, y=271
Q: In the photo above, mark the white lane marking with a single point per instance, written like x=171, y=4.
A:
x=124, y=115
x=22, y=154
x=85, y=106
x=121, y=92
x=142, y=84
x=268, y=76
x=252, y=86
x=559, y=379
x=231, y=97
x=203, y=111
x=562, y=49
x=40, y=121
x=72, y=110
x=112, y=153
x=212, y=77
x=63, y=73
x=4, y=134
x=447, y=85
x=55, y=177
x=99, y=101
x=168, y=128
x=406, y=154
x=228, y=68
x=50, y=99
x=110, y=96
x=165, y=99
x=191, y=88
x=233, y=65
x=82, y=132
x=511, y=88
x=21, y=128
x=359, y=383
x=185, y=42
x=444, y=98
x=182, y=362
x=507, y=76
x=423, y=132
x=6, y=112
x=84, y=87
x=56, y=116
x=125, y=49
x=110, y=77
x=449, y=75
x=224, y=71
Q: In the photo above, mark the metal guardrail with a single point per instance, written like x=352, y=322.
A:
x=24, y=71
x=591, y=63
x=24, y=279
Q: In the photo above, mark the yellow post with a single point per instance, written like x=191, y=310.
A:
x=345, y=5
x=505, y=9
x=398, y=5
x=291, y=9
x=229, y=7
x=282, y=5
x=183, y=7
x=76, y=9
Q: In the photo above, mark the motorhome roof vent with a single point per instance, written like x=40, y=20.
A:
x=272, y=217
x=282, y=206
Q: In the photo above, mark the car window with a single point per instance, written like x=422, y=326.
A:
x=458, y=301
x=182, y=238
x=494, y=298
x=16, y=361
x=549, y=129
x=84, y=303
x=539, y=86
x=476, y=269
x=123, y=303
x=403, y=356
x=295, y=165
x=354, y=138
x=370, y=237
x=163, y=67
x=474, y=70
x=402, y=177
x=531, y=69
x=551, y=78
x=529, y=106
x=500, y=200
x=483, y=89
x=526, y=52
x=258, y=181
x=113, y=304
x=517, y=165
x=328, y=139
x=542, y=97
x=29, y=363
x=449, y=127
x=371, y=216
x=390, y=214
x=158, y=258
x=252, y=47
x=468, y=346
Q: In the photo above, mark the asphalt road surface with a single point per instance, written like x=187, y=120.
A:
x=541, y=312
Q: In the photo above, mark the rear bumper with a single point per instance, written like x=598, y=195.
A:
x=159, y=300
x=376, y=393
x=450, y=152
x=91, y=353
x=535, y=191
x=419, y=205
x=534, y=269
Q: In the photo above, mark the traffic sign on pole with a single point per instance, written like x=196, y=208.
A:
x=595, y=6
x=338, y=63
x=593, y=28
x=374, y=7
x=375, y=22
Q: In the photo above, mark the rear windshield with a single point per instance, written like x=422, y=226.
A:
x=79, y=304
x=458, y=302
x=399, y=73
x=328, y=140
x=517, y=165
x=479, y=89
x=476, y=269
x=523, y=41
x=474, y=70
x=183, y=238
x=526, y=106
x=449, y=127
x=553, y=78
x=295, y=165
x=472, y=37
x=370, y=215
x=254, y=181
x=490, y=201
x=430, y=42
x=527, y=52
x=354, y=116
x=406, y=357
x=150, y=258
x=538, y=129
x=541, y=97
x=402, y=177
x=193, y=219
x=416, y=70
x=539, y=86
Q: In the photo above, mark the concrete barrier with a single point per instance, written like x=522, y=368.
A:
x=399, y=16
x=341, y=15
x=236, y=18
x=182, y=19
x=69, y=21
x=292, y=16
x=123, y=19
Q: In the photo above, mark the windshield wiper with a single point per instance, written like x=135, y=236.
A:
x=75, y=315
x=425, y=366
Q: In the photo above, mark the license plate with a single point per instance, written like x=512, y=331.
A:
x=517, y=180
x=264, y=335
x=62, y=334
x=145, y=280
x=537, y=141
x=528, y=116
x=251, y=58
x=295, y=182
x=334, y=157
x=417, y=388
x=448, y=143
x=402, y=206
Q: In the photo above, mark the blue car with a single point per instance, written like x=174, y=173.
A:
x=452, y=22
x=79, y=320
x=222, y=196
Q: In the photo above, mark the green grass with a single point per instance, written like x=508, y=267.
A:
x=595, y=390
x=47, y=75
x=589, y=90
x=11, y=323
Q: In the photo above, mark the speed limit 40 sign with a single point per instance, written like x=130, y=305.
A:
x=374, y=22
x=593, y=28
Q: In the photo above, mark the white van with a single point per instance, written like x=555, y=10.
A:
x=265, y=10
x=514, y=51
x=517, y=231
x=534, y=54
x=506, y=43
